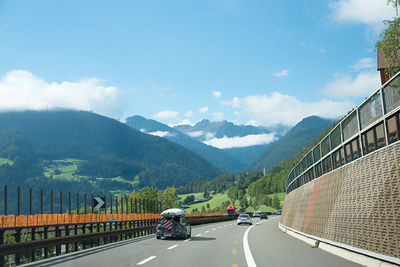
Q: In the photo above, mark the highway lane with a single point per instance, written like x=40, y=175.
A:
x=217, y=244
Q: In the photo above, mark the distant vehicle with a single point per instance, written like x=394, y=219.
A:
x=244, y=218
x=257, y=214
x=173, y=224
x=263, y=215
x=231, y=210
x=278, y=212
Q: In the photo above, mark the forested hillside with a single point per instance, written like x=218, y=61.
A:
x=301, y=135
x=107, y=148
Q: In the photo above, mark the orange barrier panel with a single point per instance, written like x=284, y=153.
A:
x=31, y=220
x=9, y=221
x=52, y=219
x=42, y=219
x=75, y=218
x=21, y=220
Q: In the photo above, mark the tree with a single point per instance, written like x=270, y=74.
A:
x=389, y=40
x=276, y=203
x=244, y=204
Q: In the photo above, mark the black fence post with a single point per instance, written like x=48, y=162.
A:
x=116, y=205
x=41, y=201
x=52, y=201
x=111, y=207
x=30, y=201
x=77, y=203
x=19, y=200
x=105, y=205
x=85, y=205
x=5, y=200
x=69, y=201
x=61, y=202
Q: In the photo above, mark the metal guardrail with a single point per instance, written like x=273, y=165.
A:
x=100, y=232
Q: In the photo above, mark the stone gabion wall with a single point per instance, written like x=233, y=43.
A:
x=356, y=205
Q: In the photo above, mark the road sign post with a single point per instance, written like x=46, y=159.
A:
x=99, y=203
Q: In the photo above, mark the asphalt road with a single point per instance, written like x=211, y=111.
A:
x=217, y=244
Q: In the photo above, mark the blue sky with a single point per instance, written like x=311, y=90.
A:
x=249, y=62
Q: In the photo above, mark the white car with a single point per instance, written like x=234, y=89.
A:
x=244, y=218
x=257, y=214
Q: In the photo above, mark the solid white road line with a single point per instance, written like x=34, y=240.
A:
x=146, y=260
x=247, y=251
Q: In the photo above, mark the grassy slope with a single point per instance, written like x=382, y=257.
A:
x=219, y=198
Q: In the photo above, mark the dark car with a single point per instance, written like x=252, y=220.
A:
x=173, y=224
x=263, y=215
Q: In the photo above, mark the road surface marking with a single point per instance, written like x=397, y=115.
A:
x=234, y=251
x=236, y=242
x=234, y=265
x=206, y=232
x=174, y=246
x=247, y=252
x=187, y=240
x=198, y=235
x=146, y=260
x=214, y=229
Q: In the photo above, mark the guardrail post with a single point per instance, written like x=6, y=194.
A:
x=58, y=248
x=17, y=240
x=33, y=237
x=67, y=234
x=1, y=243
x=91, y=231
x=76, y=233
x=46, y=250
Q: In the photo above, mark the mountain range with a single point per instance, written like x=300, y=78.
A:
x=107, y=147
x=256, y=157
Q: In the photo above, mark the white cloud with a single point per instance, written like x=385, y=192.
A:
x=344, y=86
x=189, y=114
x=217, y=94
x=184, y=122
x=370, y=12
x=282, y=73
x=234, y=103
x=159, y=133
x=364, y=63
x=21, y=90
x=248, y=140
x=162, y=134
x=288, y=110
x=218, y=115
x=195, y=134
x=167, y=114
x=203, y=110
